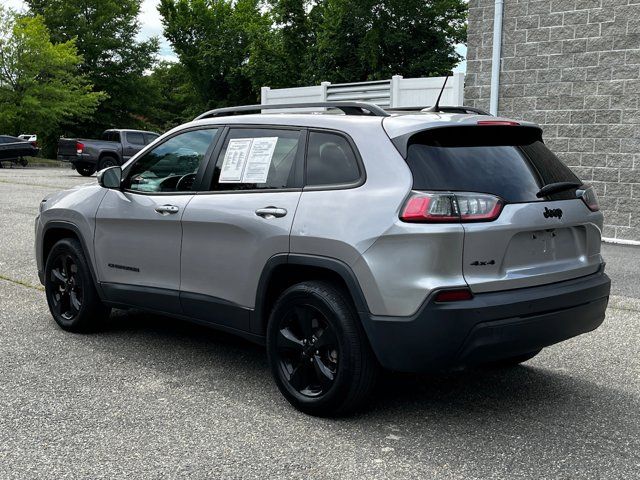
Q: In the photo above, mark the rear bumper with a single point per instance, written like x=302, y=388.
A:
x=78, y=158
x=491, y=326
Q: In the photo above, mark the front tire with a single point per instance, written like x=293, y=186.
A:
x=71, y=294
x=107, y=161
x=319, y=355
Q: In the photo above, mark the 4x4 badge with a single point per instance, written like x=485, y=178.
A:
x=556, y=212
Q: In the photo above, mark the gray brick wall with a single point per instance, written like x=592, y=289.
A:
x=573, y=66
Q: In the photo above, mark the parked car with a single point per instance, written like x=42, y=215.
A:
x=114, y=148
x=15, y=150
x=32, y=138
x=345, y=243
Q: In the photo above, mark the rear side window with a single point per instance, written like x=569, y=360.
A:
x=330, y=160
x=511, y=162
x=111, y=136
x=150, y=137
x=257, y=159
x=135, y=138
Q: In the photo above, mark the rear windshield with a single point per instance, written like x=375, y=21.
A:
x=511, y=162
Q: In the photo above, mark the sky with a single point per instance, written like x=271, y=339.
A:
x=150, y=26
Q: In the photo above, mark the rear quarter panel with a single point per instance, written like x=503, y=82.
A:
x=397, y=264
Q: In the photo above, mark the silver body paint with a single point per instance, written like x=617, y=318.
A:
x=217, y=246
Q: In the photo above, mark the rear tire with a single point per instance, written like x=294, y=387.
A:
x=319, y=355
x=85, y=171
x=71, y=294
x=107, y=161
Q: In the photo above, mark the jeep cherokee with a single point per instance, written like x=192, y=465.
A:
x=410, y=241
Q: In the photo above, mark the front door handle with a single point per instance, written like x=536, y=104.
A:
x=167, y=209
x=271, y=212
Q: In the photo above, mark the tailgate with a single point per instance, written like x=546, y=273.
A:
x=67, y=147
x=541, y=235
x=525, y=248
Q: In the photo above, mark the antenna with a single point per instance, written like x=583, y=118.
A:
x=436, y=107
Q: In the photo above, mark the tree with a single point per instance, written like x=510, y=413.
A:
x=113, y=60
x=175, y=98
x=374, y=39
x=40, y=85
x=213, y=41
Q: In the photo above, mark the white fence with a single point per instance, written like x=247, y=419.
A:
x=396, y=92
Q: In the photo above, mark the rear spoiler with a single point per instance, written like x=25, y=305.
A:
x=492, y=133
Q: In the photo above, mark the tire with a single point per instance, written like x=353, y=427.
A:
x=315, y=322
x=71, y=294
x=514, y=361
x=107, y=161
x=85, y=171
x=24, y=162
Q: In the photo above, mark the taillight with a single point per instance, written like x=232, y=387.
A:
x=500, y=123
x=453, y=295
x=79, y=147
x=589, y=197
x=436, y=207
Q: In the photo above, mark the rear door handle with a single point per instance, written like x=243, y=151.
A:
x=271, y=212
x=167, y=209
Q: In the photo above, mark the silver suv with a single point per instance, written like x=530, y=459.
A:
x=410, y=241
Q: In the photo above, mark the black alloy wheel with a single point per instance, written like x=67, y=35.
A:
x=319, y=354
x=308, y=351
x=67, y=288
x=71, y=294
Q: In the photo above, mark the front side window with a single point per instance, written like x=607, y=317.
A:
x=330, y=160
x=257, y=159
x=172, y=165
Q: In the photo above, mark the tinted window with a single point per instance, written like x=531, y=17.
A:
x=257, y=159
x=135, y=138
x=150, y=137
x=330, y=160
x=172, y=165
x=111, y=136
x=511, y=164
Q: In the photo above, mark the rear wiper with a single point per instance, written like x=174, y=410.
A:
x=557, y=187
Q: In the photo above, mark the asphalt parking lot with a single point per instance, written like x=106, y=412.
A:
x=151, y=397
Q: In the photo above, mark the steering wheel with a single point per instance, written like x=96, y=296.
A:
x=186, y=182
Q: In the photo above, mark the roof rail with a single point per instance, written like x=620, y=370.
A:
x=445, y=109
x=349, y=108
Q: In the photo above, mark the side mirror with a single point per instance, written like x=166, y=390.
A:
x=110, y=177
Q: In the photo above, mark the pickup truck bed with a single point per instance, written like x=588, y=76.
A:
x=114, y=148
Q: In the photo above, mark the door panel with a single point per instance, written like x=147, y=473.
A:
x=137, y=245
x=138, y=231
x=226, y=244
x=230, y=233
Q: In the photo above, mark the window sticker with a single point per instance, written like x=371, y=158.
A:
x=235, y=159
x=259, y=161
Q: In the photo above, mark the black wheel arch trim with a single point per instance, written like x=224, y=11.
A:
x=260, y=317
x=63, y=225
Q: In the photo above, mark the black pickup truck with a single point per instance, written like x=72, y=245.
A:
x=114, y=148
x=14, y=150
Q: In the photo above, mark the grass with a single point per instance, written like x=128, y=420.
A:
x=22, y=283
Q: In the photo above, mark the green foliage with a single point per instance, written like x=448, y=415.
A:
x=175, y=98
x=232, y=48
x=370, y=39
x=40, y=85
x=113, y=60
x=213, y=40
